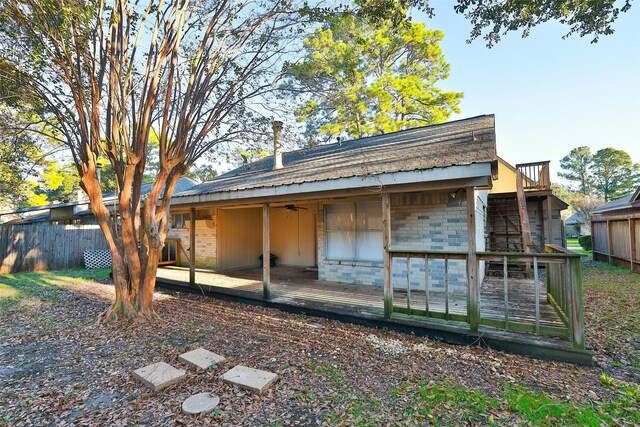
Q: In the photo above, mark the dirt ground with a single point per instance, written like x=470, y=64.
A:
x=58, y=368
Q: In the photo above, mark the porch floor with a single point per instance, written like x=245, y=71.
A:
x=300, y=287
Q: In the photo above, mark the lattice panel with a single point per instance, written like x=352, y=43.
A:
x=97, y=259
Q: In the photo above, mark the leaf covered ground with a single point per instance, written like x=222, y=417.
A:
x=58, y=368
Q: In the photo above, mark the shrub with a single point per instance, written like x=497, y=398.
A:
x=585, y=242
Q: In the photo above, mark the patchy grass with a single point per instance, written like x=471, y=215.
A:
x=21, y=289
x=572, y=241
x=612, y=312
x=423, y=402
x=443, y=404
x=585, y=254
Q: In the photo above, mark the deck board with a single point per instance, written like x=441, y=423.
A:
x=298, y=286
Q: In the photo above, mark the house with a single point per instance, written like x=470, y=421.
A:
x=394, y=228
x=424, y=229
x=577, y=225
x=75, y=212
x=324, y=205
x=615, y=232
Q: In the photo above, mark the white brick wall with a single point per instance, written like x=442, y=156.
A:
x=205, y=242
x=426, y=221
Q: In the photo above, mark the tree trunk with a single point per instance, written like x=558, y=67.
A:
x=134, y=266
x=144, y=298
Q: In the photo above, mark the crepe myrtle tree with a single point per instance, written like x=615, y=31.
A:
x=113, y=74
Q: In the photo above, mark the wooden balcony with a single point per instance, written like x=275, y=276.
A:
x=535, y=176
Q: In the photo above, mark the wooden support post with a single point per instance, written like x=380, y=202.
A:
x=426, y=283
x=446, y=286
x=537, y=292
x=266, y=252
x=632, y=242
x=523, y=214
x=386, y=242
x=192, y=246
x=505, y=273
x=576, y=313
x=550, y=220
x=609, y=241
x=409, y=283
x=473, y=291
x=543, y=229
x=568, y=295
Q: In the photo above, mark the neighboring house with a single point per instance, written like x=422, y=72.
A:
x=577, y=225
x=76, y=212
x=615, y=231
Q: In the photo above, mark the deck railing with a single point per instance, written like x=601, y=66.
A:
x=429, y=306
x=564, y=292
x=508, y=304
x=535, y=175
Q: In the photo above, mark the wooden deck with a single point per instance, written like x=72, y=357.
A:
x=297, y=289
x=300, y=288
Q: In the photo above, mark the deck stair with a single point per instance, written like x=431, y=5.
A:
x=508, y=228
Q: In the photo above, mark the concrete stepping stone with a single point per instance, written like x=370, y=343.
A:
x=159, y=375
x=201, y=403
x=250, y=379
x=201, y=358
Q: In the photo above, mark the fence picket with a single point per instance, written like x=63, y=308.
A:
x=29, y=247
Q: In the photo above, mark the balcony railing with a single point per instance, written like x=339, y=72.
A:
x=535, y=176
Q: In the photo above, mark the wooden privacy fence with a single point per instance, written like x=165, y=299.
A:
x=44, y=246
x=617, y=241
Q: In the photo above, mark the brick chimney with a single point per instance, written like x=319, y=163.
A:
x=277, y=144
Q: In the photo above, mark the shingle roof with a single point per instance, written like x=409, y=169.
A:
x=621, y=203
x=456, y=143
x=41, y=217
x=183, y=184
x=576, y=218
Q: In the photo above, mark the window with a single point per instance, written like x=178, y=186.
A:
x=354, y=231
x=179, y=220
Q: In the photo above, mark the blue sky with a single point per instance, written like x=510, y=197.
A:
x=549, y=95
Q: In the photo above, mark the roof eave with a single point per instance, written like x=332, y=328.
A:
x=474, y=170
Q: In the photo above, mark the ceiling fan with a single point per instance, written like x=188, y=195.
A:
x=291, y=208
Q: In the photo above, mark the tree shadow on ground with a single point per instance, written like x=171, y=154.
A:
x=45, y=286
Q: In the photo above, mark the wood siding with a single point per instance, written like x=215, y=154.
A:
x=239, y=233
x=506, y=182
x=600, y=237
x=44, y=246
x=293, y=235
x=620, y=239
